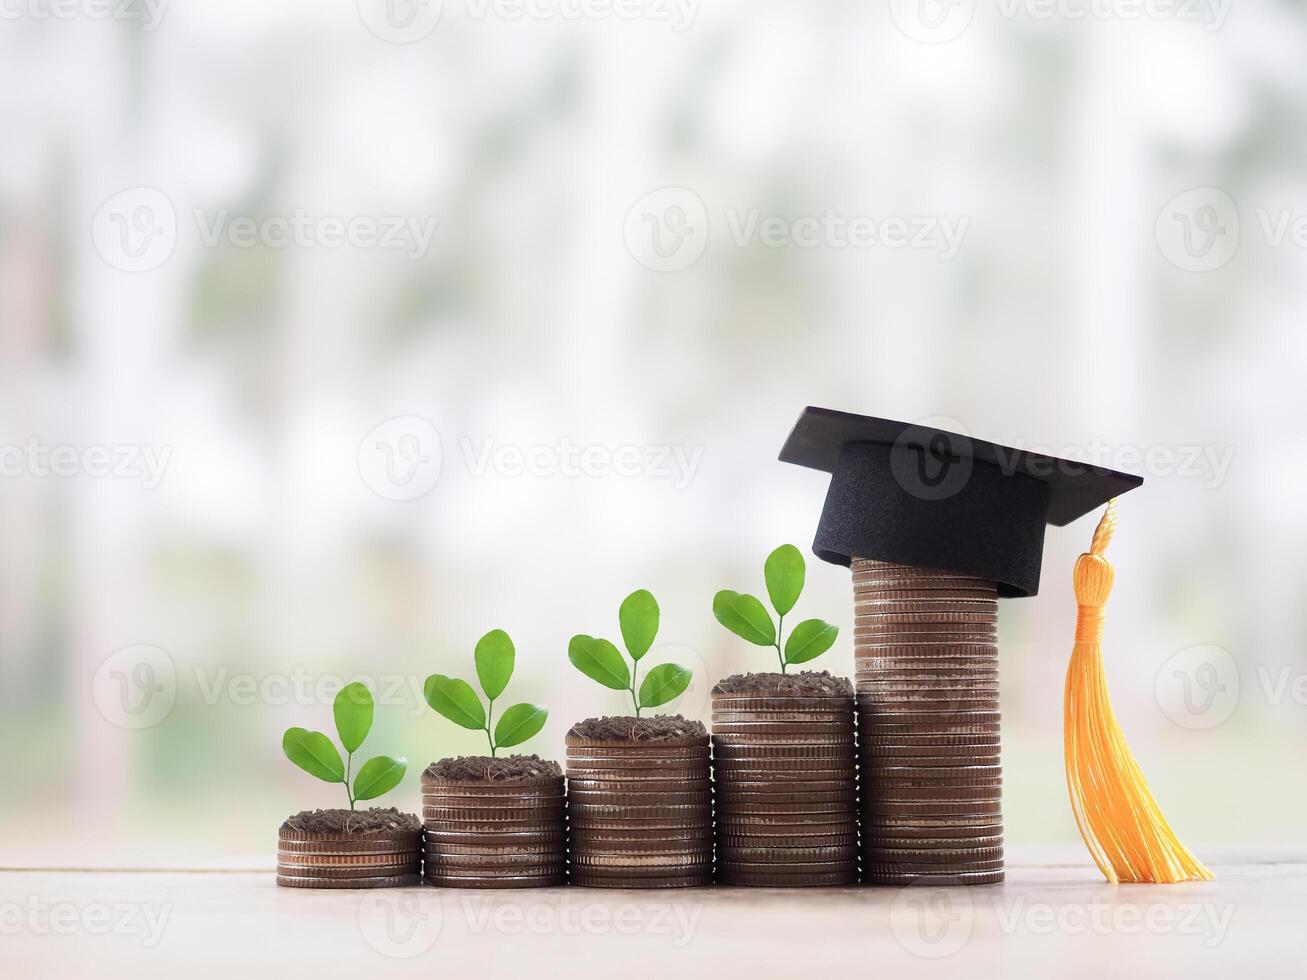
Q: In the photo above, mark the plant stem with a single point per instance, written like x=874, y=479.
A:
x=490, y=738
x=349, y=761
x=780, y=625
x=634, y=700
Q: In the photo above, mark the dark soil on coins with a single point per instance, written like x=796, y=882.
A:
x=660, y=728
x=377, y=820
x=482, y=768
x=808, y=682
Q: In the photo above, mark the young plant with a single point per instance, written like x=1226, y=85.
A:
x=315, y=754
x=746, y=616
x=455, y=699
x=600, y=660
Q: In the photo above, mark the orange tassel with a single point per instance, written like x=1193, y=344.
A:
x=1121, y=823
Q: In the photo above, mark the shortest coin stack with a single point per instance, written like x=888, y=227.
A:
x=377, y=848
x=494, y=823
x=639, y=803
x=785, y=780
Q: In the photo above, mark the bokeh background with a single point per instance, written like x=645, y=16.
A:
x=335, y=335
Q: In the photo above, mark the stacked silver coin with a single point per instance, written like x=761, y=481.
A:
x=926, y=648
x=785, y=781
x=495, y=833
x=640, y=808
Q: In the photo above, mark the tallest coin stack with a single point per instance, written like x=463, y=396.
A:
x=925, y=645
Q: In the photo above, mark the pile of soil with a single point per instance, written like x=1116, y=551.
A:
x=659, y=728
x=805, y=683
x=377, y=820
x=482, y=768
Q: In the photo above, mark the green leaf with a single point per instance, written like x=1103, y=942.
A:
x=639, y=618
x=784, y=571
x=599, y=660
x=809, y=640
x=378, y=776
x=314, y=753
x=519, y=723
x=353, y=710
x=664, y=682
x=456, y=700
x=745, y=616
x=494, y=657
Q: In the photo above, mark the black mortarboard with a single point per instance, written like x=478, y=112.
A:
x=925, y=497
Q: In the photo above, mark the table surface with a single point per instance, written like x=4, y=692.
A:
x=1053, y=916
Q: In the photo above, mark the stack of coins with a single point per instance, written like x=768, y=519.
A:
x=785, y=780
x=926, y=648
x=639, y=800
x=498, y=827
x=341, y=859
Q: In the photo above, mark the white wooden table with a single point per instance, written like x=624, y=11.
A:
x=1053, y=917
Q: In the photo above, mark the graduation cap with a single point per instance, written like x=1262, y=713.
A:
x=929, y=498
x=908, y=502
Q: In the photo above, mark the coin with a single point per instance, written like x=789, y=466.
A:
x=385, y=881
x=927, y=827
x=627, y=798
x=767, y=879
x=375, y=860
x=493, y=791
x=883, y=843
x=872, y=867
x=581, y=767
x=357, y=847
x=735, y=842
x=728, y=795
x=590, y=880
x=790, y=855
x=835, y=716
x=799, y=831
x=554, y=879
x=410, y=866
x=510, y=838
x=643, y=862
x=447, y=860
x=781, y=702
x=880, y=854
x=934, y=880
x=790, y=867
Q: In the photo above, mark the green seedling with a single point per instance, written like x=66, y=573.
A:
x=600, y=660
x=746, y=616
x=315, y=754
x=457, y=701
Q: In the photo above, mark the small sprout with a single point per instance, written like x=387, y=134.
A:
x=600, y=660
x=746, y=616
x=459, y=702
x=315, y=754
